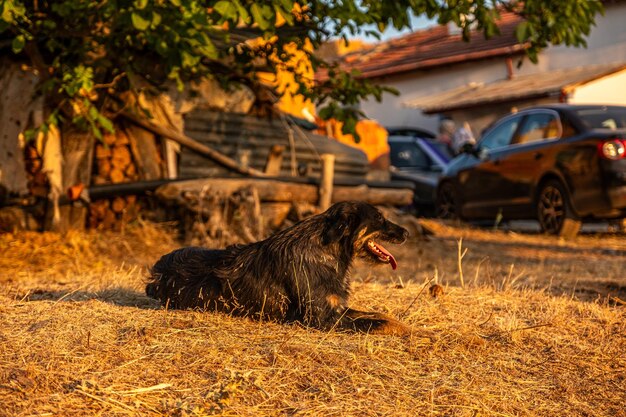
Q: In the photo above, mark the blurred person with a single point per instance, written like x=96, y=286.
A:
x=462, y=137
x=446, y=132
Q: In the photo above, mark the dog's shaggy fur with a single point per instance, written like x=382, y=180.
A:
x=298, y=274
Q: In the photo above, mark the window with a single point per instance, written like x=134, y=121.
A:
x=500, y=135
x=603, y=117
x=539, y=126
x=408, y=155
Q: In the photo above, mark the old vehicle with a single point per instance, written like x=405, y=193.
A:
x=560, y=164
x=421, y=161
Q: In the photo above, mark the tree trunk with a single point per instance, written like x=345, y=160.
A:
x=16, y=103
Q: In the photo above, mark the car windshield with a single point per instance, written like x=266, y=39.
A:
x=603, y=117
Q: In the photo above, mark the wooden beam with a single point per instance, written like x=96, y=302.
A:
x=279, y=191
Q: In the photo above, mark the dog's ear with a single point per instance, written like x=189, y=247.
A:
x=337, y=225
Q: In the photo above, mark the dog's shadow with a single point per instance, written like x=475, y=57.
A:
x=118, y=296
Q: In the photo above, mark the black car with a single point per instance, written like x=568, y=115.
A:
x=560, y=164
x=421, y=161
x=410, y=131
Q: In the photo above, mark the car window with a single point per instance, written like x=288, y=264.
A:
x=603, y=118
x=408, y=155
x=441, y=149
x=501, y=135
x=537, y=127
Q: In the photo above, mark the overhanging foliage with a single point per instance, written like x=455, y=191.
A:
x=87, y=52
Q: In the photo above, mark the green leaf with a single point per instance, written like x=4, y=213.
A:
x=141, y=4
x=189, y=60
x=243, y=13
x=521, y=32
x=139, y=22
x=156, y=20
x=18, y=43
x=287, y=5
x=12, y=9
x=259, y=14
x=326, y=113
x=106, y=123
x=227, y=9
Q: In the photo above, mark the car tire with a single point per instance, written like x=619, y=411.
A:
x=447, y=202
x=554, y=211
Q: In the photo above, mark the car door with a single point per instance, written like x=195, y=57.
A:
x=484, y=187
x=531, y=155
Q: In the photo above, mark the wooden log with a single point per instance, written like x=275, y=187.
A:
x=279, y=191
x=131, y=171
x=145, y=152
x=117, y=176
x=109, y=220
x=109, y=139
x=326, y=183
x=104, y=167
x=102, y=151
x=97, y=210
x=121, y=138
x=120, y=157
x=98, y=180
x=118, y=204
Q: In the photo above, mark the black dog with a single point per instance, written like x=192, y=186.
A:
x=298, y=274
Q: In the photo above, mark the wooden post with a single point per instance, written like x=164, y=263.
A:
x=78, y=148
x=326, y=183
x=274, y=160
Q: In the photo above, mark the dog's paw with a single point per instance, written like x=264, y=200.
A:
x=389, y=326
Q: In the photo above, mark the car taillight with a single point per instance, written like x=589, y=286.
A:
x=612, y=149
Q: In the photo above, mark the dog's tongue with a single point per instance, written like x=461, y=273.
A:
x=392, y=260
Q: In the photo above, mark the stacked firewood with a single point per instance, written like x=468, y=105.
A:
x=114, y=164
x=37, y=179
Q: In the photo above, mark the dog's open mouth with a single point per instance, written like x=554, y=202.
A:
x=382, y=254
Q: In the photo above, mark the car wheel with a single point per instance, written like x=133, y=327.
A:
x=554, y=211
x=447, y=203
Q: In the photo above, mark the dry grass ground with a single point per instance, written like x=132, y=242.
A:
x=537, y=329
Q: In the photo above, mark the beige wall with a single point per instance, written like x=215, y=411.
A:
x=391, y=111
x=607, y=90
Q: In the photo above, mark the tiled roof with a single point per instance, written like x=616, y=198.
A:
x=432, y=47
x=545, y=84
